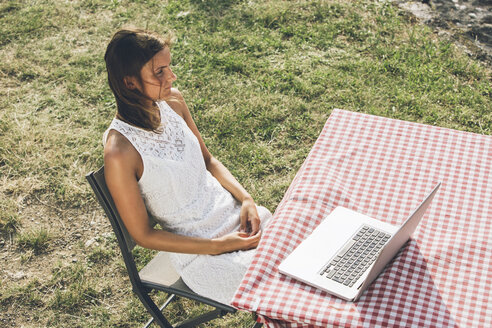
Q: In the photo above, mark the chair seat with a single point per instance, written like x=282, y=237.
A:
x=159, y=270
x=160, y=274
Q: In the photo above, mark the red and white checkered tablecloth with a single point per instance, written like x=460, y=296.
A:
x=384, y=168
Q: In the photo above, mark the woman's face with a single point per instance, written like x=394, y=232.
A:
x=157, y=76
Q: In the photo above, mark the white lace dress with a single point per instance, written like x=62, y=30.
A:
x=186, y=199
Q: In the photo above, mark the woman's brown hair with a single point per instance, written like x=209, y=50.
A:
x=127, y=52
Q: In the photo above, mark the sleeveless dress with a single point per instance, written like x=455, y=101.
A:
x=186, y=199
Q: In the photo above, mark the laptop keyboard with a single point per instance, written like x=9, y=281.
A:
x=356, y=256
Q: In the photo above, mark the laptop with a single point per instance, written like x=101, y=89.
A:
x=348, y=250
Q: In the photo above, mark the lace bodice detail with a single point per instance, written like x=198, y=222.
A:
x=166, y=145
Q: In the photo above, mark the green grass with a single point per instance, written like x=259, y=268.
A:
x=36, y=240
x=260, y=77
x=9, y=220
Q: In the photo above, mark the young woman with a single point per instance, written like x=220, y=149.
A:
x=156, y=162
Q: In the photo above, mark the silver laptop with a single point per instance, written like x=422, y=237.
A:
x=348, y=250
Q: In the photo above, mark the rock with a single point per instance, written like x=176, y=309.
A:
x=183, y=14
x=420, y=10
x=18, y=275
x=90, y=242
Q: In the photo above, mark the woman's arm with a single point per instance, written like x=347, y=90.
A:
x=122, y=165
x=250, y=221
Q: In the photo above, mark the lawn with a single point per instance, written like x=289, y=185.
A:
x=260, y=78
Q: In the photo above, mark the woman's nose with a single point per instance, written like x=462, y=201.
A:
x=172, y=76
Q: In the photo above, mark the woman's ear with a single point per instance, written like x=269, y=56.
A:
x=130, y=82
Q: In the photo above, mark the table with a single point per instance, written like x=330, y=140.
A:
x=383, y=168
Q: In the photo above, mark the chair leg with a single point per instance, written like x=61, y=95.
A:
x=257, y=324
x=205, y=317
x=163, y=306
x=159, y=318
x=154, y=310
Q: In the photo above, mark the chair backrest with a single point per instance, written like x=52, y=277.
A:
x=126, y=243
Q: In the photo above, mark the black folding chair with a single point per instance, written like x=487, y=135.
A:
x=158, y=274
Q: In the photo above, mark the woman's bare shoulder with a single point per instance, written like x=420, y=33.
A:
x=177, y=102
x=118, y=150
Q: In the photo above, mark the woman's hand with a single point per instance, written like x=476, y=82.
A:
x=236, y=241
x=249, y=234
x=250, y=220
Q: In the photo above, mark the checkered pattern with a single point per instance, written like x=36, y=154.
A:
x=384, y=168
